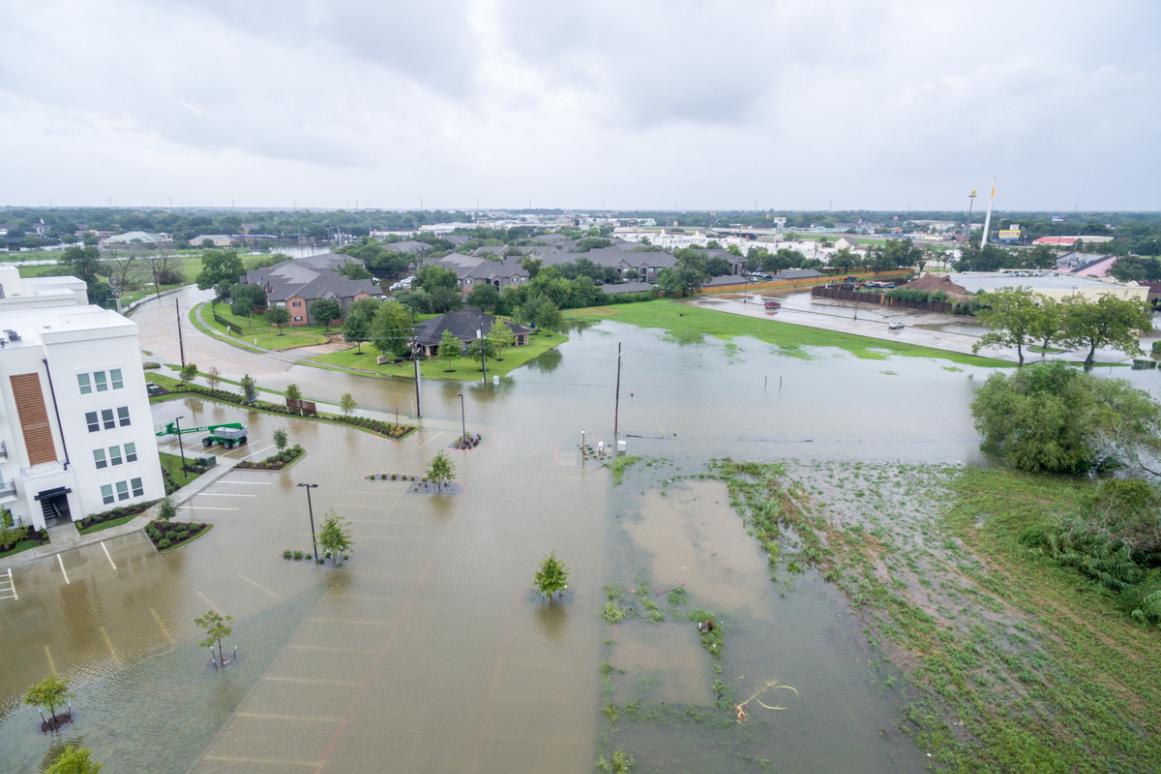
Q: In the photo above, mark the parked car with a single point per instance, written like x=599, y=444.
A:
x=895, y=325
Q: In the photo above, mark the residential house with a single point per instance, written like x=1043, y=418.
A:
x=645, y=264
x=215, y=240
x=473, y=270
x=297, y=283
x=466, y=325
x=138, y=238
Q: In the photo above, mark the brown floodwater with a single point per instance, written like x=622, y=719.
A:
x=429, y=651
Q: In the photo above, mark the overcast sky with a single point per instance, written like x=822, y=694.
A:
x=601, y=103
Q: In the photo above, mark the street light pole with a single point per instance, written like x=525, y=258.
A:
x=310, y=510
x=483, y=354
x=463, y=420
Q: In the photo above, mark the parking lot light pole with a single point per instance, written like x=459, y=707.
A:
x=310, y=510
x=463, y=420
x=180, y=445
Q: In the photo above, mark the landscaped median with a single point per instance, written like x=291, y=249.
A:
x=363, y=360
x=691, y=324
x=254, y=333
x=177, y=389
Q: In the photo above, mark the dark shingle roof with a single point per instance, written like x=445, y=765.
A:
x=797, y=274
x=311, y=278
x=463, y=324
x=407, y=246
x=626, y=287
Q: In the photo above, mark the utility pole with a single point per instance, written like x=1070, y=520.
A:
x=180, y=445
x=180, y=340
x=463, y=421
x=415, y=359
x=483, y=354
x=988, y=217
x=617, y=402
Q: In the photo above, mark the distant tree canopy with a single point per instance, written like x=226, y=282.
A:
x=220, y=268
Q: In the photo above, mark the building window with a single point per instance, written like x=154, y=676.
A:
x=122, y=490
x=130, y=452
x=99, y=458
x=99, y=378
x=138, y=489
x=84, y=383
x=92, y=421
x=116, y=379
x=107, y=419
x=298, y=318
x=114, y=455
x=123, y=415
x=107, y=494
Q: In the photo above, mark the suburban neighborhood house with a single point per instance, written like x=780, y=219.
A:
x=296, y=284
x=466, y=325
x=630, y=262
x=473, y=270
x=76, y=433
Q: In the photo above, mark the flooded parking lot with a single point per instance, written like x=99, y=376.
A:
x=429, y=651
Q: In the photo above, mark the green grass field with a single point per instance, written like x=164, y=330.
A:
x=259, y=333
x=691, y=324
x=171, y=464
x=459, y=369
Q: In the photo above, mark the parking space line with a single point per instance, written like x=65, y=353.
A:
x=109, y=644
x=659, y=427
x=243, y=483
x=208, y=507
x=258, y=585
x=160, y=625
x=333, y=649
x=260, y=451
x=9, y=587
x=209, y=602
x=273, y=716
x=352, y=505
x=271, y=761
x=311, y=680
x=433, y=439
x=51, y=663
x=223, y=494
x=363, y=621
x=107, y=556
x=62, y=569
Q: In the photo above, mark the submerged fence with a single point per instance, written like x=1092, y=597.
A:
x=882, y=299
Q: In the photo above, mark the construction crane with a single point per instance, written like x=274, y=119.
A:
x=228, y=434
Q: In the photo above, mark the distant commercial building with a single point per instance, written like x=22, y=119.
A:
x=1070, y=241
x=139, y=238
x=213, y=240
x=76, y=434
x=1049, y=284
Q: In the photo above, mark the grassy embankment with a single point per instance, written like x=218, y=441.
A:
x=691, y=324
x=1014, y=662
x=458, y=369
x=256, y=331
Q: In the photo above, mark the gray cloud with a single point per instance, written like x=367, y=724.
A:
x=643, y=104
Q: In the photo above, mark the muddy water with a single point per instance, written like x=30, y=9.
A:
x=429, y=652
x=799, y=632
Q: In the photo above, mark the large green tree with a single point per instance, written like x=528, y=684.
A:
x=391, y=329
x=499, y=338
x=74, y=760
x=450, y=347
x=1107, y=322
x=325, y=311
x=220, y=267
x=277, y=316
x=1010, y=316
x=358, y=325
x=1046, y=328
x=48, y=694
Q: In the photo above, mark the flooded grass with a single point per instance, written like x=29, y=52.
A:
x=1010, y=660
x=687, y=324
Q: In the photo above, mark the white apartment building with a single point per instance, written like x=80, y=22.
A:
x=76, y=433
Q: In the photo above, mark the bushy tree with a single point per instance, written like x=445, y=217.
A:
x=1010, y=316
x=347, y=403
x=1107, y=322
x=1052, y=418
x=189, y=372
x=74, y=760
x=220, y=267
x=244, y=299
x=449, y=347
x=484, y=297
x=249, y=388
x=325, y=311
x=335, y=537
x=552, y=577
x=217, y=627
x=1046, y=328
x=281, y=438
x=277, y=316
x=358, y=326
x=499, y=338
x=391, y=329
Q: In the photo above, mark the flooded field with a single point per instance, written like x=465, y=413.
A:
x=429, y=650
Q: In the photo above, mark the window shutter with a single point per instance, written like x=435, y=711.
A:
x=33, y=418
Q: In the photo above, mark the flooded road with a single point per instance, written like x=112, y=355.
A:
x=429, y=651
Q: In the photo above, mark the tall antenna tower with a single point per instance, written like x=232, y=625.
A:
x=988, y=217
x=971, y=206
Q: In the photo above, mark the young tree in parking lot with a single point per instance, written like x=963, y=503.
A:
x=1010, y=316
x=217, y=627
x=281, y=439
x=440, y=470
x=167, y=510
x=48, y=694
x=189, y=372
x=347, y=403
x=552, y=577
x=249, y=388
x=293, y=394
x=74, y=760
x=335, y=537
x=277, y=316
x=449, y=348
x=213, y=376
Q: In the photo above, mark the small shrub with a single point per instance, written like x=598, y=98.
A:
x=287, y=554
x=297, y=555
x=614, y=613
x=163, y=543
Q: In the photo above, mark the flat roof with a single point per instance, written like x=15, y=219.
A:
x=35, y=326
x=974, y=281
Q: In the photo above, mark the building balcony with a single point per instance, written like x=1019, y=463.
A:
x=3, y=452
x=7, y=491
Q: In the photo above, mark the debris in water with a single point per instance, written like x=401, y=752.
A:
x=741, y=710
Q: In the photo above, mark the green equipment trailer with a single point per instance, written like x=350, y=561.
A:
x=227, y=435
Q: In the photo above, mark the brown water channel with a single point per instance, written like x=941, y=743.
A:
x=428, y=652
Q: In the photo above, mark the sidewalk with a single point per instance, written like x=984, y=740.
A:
x=66, y=537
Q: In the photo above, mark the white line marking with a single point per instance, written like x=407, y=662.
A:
x=258, y=585
x=208, y=507
x=62, y=569
x=51, y=663
x=244, y=483
x=106, y=548
x=109, y=644
x=260, y=451
x=272, y=716
x=311, y=681
x=659, y=427
x=271, y=761
x=209, y=602
x=222, y=494
x=433, y=439
x=160, y=625
x=353, y=505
